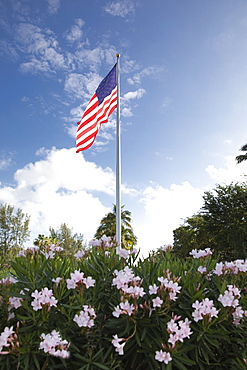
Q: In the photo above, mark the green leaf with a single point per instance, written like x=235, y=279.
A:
x=101, y=366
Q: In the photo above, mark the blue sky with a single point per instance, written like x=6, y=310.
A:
x=183, y=109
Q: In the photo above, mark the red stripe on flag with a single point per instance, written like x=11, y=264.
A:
x=92, y=119
x=95, y=113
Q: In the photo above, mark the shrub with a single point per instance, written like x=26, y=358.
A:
x=103, y=310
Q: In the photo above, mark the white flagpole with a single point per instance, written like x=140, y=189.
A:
x=118, y=163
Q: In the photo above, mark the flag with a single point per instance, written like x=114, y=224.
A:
x=100, y=107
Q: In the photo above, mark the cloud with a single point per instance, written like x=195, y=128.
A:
x=133, y=95
x=155, y=72
x=166, y=102
x=126, y=101
x=120, y=8
x=231, y=172
x=42, y=49
x=81, y=86
x=75, y=33
x=8, y=50
x=94, y=58
x=53, y=6
x=62, y=187
x=164, y=210
x=5, y=163
x=126, y=112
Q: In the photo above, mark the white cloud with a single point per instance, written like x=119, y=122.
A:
x=155, y=72
x=8, y=50
x=81, y=86
x=75, y=33
x=62, y=187
x=164, y=211
x=232, y=172
x=42, y=49
x=126, y=112
x=53, y=6
x=120, y=8
x=166, y=102
x=5, y=163
x=133, y=95
x=93, y=58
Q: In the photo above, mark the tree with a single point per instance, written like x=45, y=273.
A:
x=71, y=242
x=225, y=214
x=193, y=234
x=13, y=229
x=242, y=157
x=108, y=227
x=221, y=224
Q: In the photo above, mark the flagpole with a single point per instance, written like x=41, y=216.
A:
x=118, y=162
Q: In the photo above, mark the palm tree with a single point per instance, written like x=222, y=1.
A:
x=108, y=227
x=242, y=157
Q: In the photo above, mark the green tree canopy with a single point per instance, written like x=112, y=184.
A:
x=108, y=227
x=242, y=157
x=70, y=241
x=221, y=224
x=193, y=234
x=13, y=229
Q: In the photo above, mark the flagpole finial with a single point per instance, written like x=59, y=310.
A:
x=118, y=55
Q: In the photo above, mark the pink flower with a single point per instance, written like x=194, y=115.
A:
x=173, y=339
x=153, y=289
x=124, y=253
x=200, y=253
x=57, y=281
x=116, y=343
x=117, y=312
x=86, y=317
x=202, y=269
x=5, y=337
x=79, y=254
x=162, y=356
x=77, y=276
x=44, y=297
x=204, y=308
x=89, y=282
x=172, y=326
x=119, y=349
x=127, y=307
x=157, y=302
x=53, y=344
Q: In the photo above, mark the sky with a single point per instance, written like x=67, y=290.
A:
x=183, y=88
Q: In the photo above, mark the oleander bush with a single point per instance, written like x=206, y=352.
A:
x=105, y=310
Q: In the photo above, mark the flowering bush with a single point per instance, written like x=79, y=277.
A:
x=105, y=310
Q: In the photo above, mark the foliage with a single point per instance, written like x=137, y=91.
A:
x=13, y=229
x=192, y=234
x=242, y=157
x=108, y=227
x=220, y=224
x=71, y=242
x=101, y=311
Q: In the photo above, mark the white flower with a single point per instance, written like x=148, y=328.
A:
x=124, y=253
x=157, y=302
x=153, y=289
x=162, y=356
x=86, y=317
x=202, y=269
x=116, y=343
x=53, y=344
x=79, y=254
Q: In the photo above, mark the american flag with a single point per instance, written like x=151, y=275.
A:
x=100, y=107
